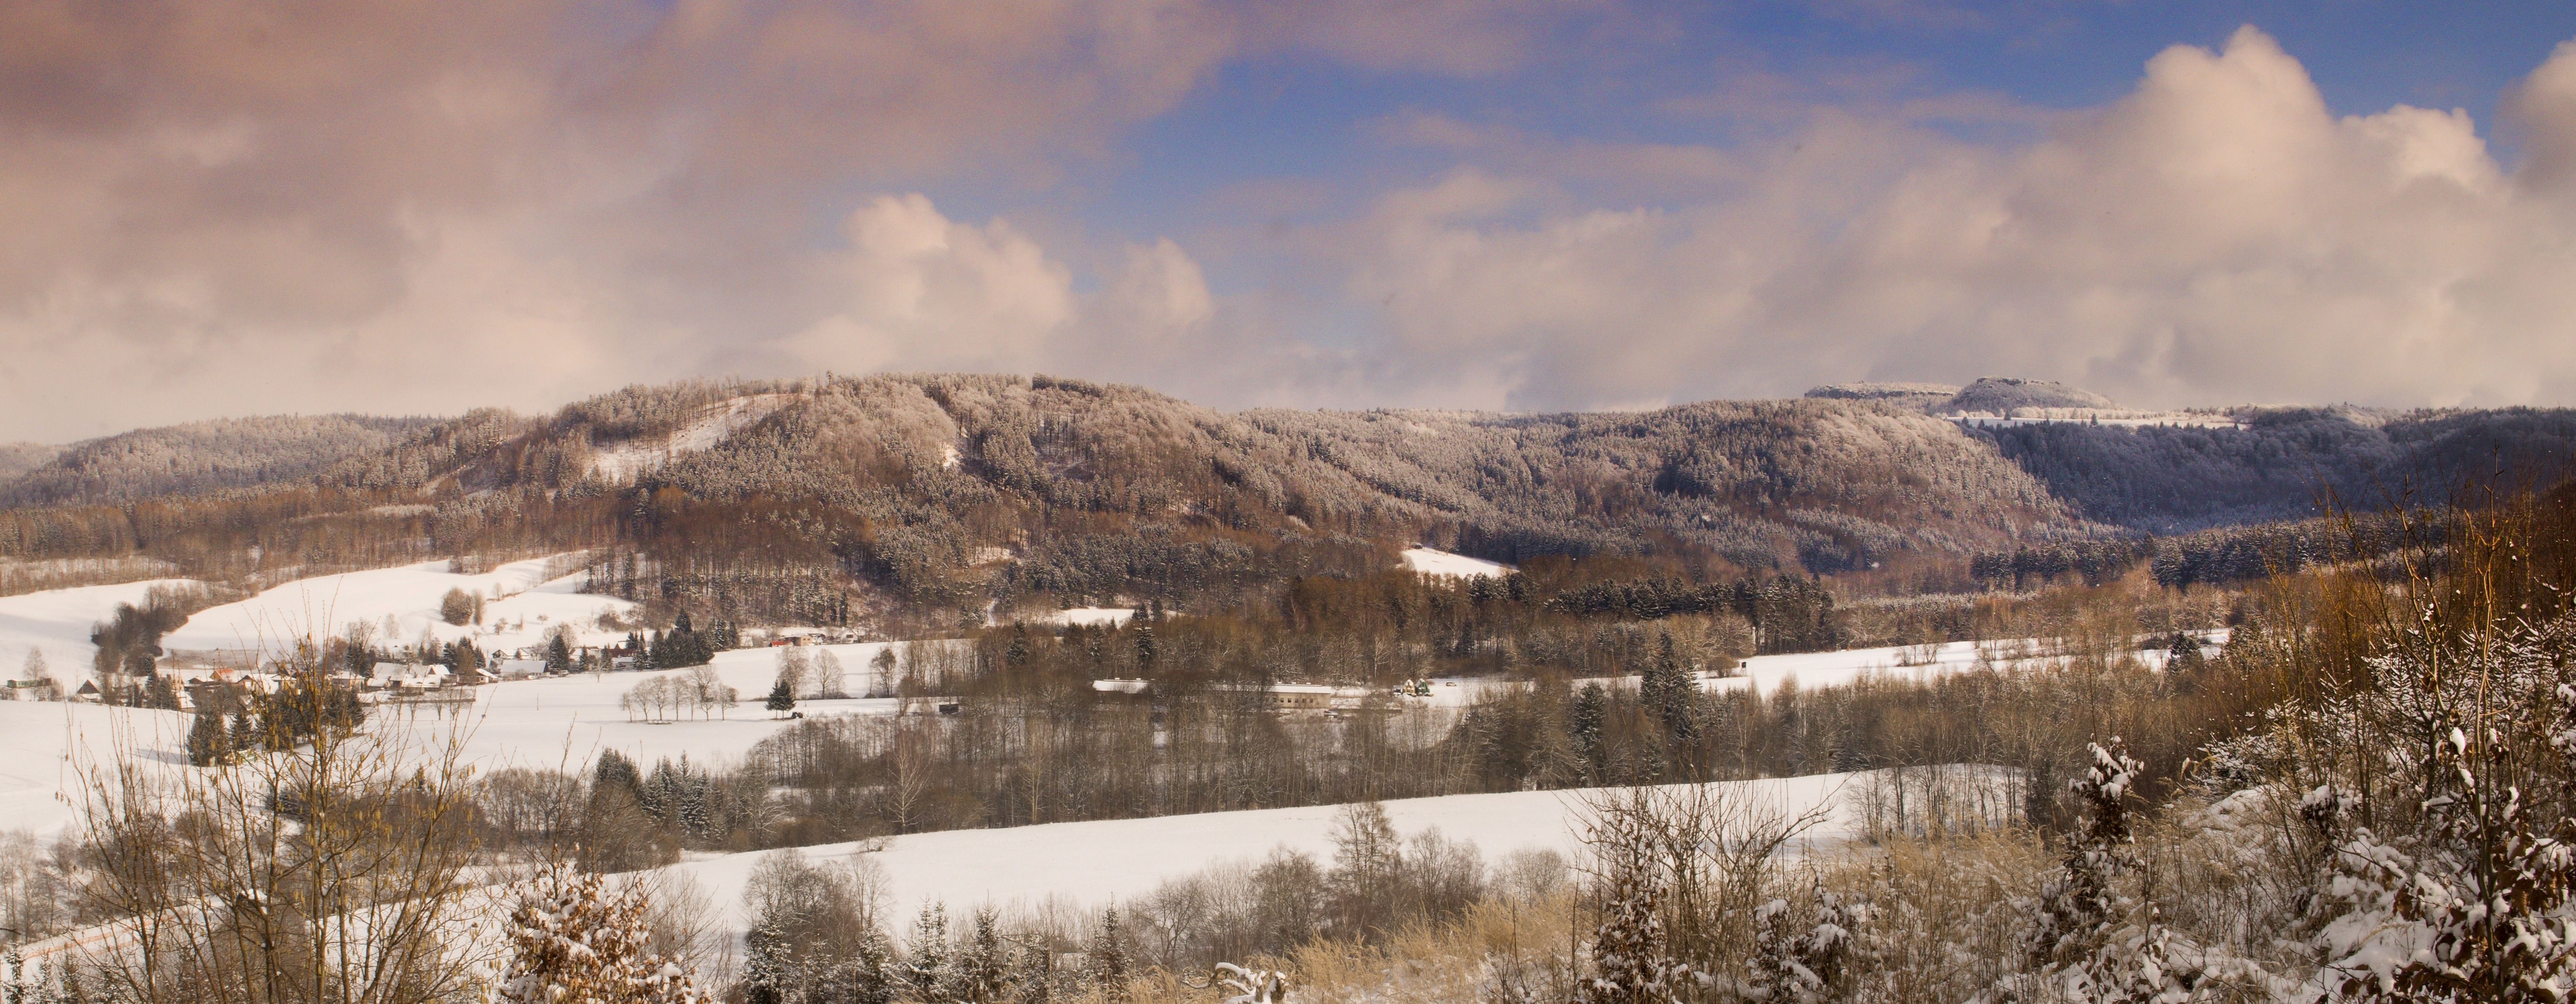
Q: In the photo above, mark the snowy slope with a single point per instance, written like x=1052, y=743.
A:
x=1842, y=667
x=1091, y=863
x=45, y=746
x=565, y=721
x=1442, y=563
x=622, y=462
x=1091, y=616
x=59, y=621
x=520, y=605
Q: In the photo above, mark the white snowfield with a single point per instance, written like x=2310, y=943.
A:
x=1428, y=561
x=48, y=747
x=59, y=621
x=520, y=604
x=1091, y=616
x=1844, y=667
x=1766, y=674
x=621, y=463
x=563, y=722
x=1089, y=864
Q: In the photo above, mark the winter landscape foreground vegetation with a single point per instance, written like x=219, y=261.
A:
x=2364, y=795
x=2315, y=760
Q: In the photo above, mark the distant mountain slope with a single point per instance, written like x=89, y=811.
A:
x=2002, y=395
x=2284, y=461
x=202, y=456
x=16, y=459
x=935, y=496
x=946, y=490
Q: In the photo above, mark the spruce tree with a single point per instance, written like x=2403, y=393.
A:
x=208, y=744
x=984, y=969
x=245, y=738
x=926, y=968
x=870, y=977
x=1109, y=958
x=1667, y=692
x=782, y=698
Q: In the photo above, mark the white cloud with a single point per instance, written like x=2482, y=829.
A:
x=2217, y=235
x=917, y=290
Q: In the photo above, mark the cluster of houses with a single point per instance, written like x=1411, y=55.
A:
x=197, y=677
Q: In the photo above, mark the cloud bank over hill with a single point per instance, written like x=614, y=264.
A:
x=2216, y=235
x=223, y=209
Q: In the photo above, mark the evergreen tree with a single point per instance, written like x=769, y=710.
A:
x=1667, y=692
x=1584, y=722
x=1109, y=958
x=926, y=968
x=782, y=698
x=558, y=655
x=870, y=976
x=160, y=694
x=207, y=742
x=1147, y=651
x=245, y=738
x=614, y=772
x=983, y=971
x=1632, y=961
x=768, y=960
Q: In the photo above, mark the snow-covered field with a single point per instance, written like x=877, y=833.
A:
x=520, y=604
x=545, y=723
x=1092, y=863
x=1845, y=666
x=44, y=746
x=566, y=721
x=1442, y=563
x=58, y=621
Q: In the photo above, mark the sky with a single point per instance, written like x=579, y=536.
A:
x=231, y=207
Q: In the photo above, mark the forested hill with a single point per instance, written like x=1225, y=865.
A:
x=193, y=458
x=938, y=495
x=2284, y=463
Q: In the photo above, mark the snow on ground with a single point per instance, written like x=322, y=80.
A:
x=1091, y=863
x=559, y=722
x=1090, y=616
x=59, y=620
x=717, y=422
x=1838, y=668
x=520, y=605
x=1442, y=563
x=565, y=721
x=1845, y=666
x=46, y=745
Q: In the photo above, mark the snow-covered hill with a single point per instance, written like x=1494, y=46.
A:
x=46, y=745
x=521, y=603
x=59, y=621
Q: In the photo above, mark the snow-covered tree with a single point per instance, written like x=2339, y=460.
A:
x=2094, y=938
x=2473, y=902
x=572, y=940
x=927, y=967
x=1632, y=961
x=983, y=969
